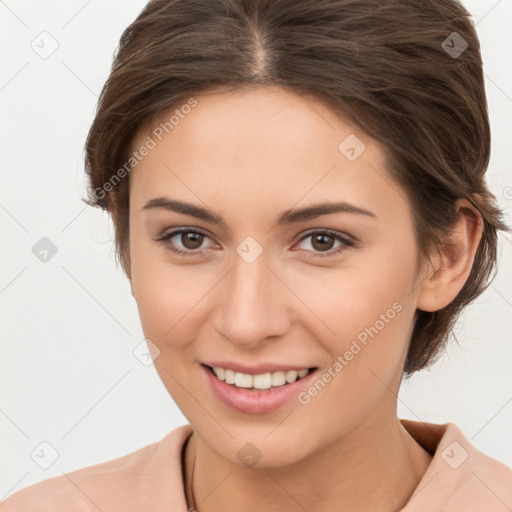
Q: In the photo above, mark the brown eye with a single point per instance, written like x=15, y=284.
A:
x=187, y=242
x=191, y=240
x=324, y=242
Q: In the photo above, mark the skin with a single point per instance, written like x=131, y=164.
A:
x=247, y=156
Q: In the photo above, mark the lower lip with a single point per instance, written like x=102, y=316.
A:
x=259, y=401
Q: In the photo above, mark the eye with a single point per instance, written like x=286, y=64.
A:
x=190, y=240
x=322, y=241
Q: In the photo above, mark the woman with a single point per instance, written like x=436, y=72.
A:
x=299, y=201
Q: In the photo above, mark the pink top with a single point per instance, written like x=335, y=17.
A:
x=459, y=478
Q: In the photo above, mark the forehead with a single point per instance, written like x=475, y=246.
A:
x=257, y=113
x=265, y=143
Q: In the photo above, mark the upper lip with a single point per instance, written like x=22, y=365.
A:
x=256, y=369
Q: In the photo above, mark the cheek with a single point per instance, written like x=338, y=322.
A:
x=158, y=290
x=169, y=297
x=377, y=291
x=369, y=310
x=371, y=316
x=164, y=300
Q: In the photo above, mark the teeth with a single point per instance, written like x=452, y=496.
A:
x=278, y=378
x=291, y=376
x=261, y=381
x=243, y=380
x=229, y=375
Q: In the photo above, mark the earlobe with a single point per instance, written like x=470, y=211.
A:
x=450, y=268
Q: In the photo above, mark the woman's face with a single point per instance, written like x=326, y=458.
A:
x=269, y=285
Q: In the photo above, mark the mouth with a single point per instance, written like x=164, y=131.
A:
x=260, y=381
x=257, y=393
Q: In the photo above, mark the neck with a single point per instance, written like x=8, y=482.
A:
x=376, y=466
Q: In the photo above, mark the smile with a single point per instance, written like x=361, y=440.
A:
x=261, y=381
x=259, y=392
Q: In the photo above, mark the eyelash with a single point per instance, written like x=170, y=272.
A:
x=346, y=242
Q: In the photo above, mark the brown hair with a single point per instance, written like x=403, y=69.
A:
x=385, y=65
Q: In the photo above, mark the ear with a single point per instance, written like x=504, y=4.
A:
x=449, y=270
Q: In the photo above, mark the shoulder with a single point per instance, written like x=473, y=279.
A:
x=123, y=483
x=480, y=482
x=460, y=477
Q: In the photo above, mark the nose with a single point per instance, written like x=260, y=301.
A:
x=253, y=304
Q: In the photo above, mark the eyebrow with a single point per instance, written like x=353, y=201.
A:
x=286, y=217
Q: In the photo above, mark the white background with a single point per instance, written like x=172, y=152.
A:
x=68, y=326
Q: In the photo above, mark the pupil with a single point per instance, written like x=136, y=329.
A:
x=322, y=246
x=191, y=240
